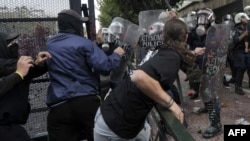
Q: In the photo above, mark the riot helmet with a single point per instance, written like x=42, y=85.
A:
x=205, y=18
x=116, y=28
x=239, y=16
x=191, y=20
x=227, y=19
x=156, y=27
x=247, y=10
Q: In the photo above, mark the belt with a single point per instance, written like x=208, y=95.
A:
x=57, y=104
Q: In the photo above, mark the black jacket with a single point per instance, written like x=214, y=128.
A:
x=14, y=105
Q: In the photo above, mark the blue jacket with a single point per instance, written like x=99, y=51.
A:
x=71, y=68
x=238, y=45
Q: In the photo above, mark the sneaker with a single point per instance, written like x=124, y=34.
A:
x=190, y=92
x=194, y=96
x=212, y=131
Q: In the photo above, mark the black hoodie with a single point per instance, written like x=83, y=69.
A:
x=14, y=105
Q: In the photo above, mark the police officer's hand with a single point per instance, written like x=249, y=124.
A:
x=23, y=65
x=199, y=50
x=42, y=57
x=119, y=51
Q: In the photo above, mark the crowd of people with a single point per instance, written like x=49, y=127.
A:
x=75, y=63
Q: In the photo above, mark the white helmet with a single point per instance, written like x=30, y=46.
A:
x=205, y=16
x=116, y=28
x=156, y=27
x=247, y=10
x=191, y=19
x=239, y=16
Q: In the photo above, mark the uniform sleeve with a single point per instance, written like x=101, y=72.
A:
x=236, y=36
x=8, y=82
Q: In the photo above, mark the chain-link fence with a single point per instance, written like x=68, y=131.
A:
x=35, y=21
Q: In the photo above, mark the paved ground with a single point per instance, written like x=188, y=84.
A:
x=234, y=107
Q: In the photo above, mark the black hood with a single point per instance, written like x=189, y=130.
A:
x=7, y=63
x=69, y=24
x=4, y=53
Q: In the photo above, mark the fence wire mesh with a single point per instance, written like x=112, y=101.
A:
x=35, y=21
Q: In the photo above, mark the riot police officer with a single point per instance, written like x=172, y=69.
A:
x=205, y=19
x=240, y=53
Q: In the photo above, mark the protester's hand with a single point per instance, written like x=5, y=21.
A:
x=199, y=50
x=23, y=65
x=178, y=112
x=171, y=14
x=42, y=57
x=119, y=51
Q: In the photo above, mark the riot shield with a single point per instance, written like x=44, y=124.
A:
x=118, y=27
x=152, y=23
x=128, y=41
x=214, y=62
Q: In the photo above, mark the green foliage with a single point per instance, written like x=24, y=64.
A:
x=129, y=9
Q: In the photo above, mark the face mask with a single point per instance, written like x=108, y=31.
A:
x=13, y=50
x=200, y=30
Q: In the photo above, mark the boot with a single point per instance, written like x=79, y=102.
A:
x=203, y=109
x=215, y=127
x=239, y=91
x=212, y=130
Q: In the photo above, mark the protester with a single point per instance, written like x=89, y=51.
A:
x=122, y=115
x=74, y=92
x=14, y=89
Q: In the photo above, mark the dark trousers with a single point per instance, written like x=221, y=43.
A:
x=74, y=119
x=13, y=132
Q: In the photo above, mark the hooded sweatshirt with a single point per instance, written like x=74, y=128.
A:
x=14, y=105
x=75, y=61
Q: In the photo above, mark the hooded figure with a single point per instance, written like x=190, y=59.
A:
x=14, y=104
x=74, y=79
x=71, y=22
x=8, y=55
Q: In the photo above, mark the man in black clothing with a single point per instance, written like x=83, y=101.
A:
x=14, y=89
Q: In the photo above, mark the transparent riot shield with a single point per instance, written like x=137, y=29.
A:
x=128, y=35
x=152, y=23
x=118, y=27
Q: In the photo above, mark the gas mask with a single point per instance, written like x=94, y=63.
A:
x=107, y=38
x=200, y=30
x=205, y=18
x=202, y=23
x=13, y=50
